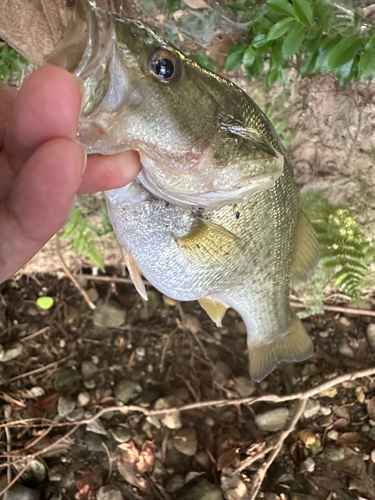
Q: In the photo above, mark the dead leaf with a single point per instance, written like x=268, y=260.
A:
x=340, y=422
x=355, y=442
x=147, y=457
x=297, y=452
x=197, y=4
x=307, y=437
x=88, y=482
x=129, y=474
x=129, y=452
x=371, y=408
x=228, y=458
x=57, y=450
x=12, y=401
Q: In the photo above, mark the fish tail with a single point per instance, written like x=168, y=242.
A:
x=296, y=345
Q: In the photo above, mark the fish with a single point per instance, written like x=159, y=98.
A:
x=213, y=215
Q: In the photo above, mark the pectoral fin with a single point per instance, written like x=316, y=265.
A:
x=305, y=256
x=208, y=242
x=214, y=309
x=134, y=273
x=294, y=346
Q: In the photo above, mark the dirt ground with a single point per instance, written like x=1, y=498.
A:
x=96, y=383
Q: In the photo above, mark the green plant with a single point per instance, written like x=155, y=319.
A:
x=45, y=302
x=280, y=127
x=82, y=233
x=9, y=61
x=345, y=252
x=312, y=37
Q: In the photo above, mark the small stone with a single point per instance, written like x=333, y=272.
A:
x=110, y=315
x=324, y=334
x=192, y=324
x=203, y=459
x=121, y=434
x=37, y=470
x=222, y=372
x=12, y=353
x=95, y=359
x=344, y=321
x=37, y=391
x=140, y=352
x=124, y=390
x=308, y=465
x=1, y=352
x=93, y=294
x=20, y=492
x=94, y=442
x=360, y=394
x=371, y=433
x=174, y=483
x=153, y=302
x=331, y=392
x=76, y=414
x=170, y=420
x=66, y=378
x=186, y=441
x=83, y=398
x=333, y=435
x=370, y=333
x=65, y=406
x=62, y=343
x=233, y=487
x=88, y=369
x=334, y=453
x=244, y=386
x=201, y=490
x=109, y=492
x=89, y=384
x=168, y=301
x=71, y=315
x=56, y=473
x=97, y=427
x=365, y=428
x=345, y=349
x=312, y=408
x=372, y=456
x=342, y=412
x=272, y=420
x=325, y=410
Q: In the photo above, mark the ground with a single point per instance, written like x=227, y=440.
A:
x=61, y=367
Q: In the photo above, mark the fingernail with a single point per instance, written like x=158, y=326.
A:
x=84, y=150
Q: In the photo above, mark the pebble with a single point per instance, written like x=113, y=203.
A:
x=372, y=456
x=83, y=398
x=153, y=302
x=97, y=427
x=333, y=435
x=222, y=372
x=308, y=465
x=360, y=395
x=171, y=420
x=201, y=490
x=93, y=294
x=342, y=412
x=94, y=442
x=56, y=473
x=233, y=487
x=345, y=349
x=65, y=406
x=325, y=410
x=20, y=492
x=331, y=392
x=365, y=428
x=312, y=408
x=372, y=433
x=334, y=453
x=124, y=390
x=88, y=369
x=12, y=353
x=109, y=492
x=66, y=378
x=76, y=414
x=244, y=386
x=1, y=351
x=370, y=333
x=168, y=301
x=110, y=315
x=121, y=434
x=37, y=391
x=62, y=343
x=71, y=315
x=186, y=441
x=324, y=334
x=272, y=420
x=174, y=483
x=95, y=359
x=344, y=321
x=203, y=459
x=89, y=384
x=192, y=324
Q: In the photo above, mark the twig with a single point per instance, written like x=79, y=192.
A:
x=33, y=335
x=33, y=372
x=113, y=279
x=70, y=275
x=347, y=310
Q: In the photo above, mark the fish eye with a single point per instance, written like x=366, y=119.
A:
x=165, y=65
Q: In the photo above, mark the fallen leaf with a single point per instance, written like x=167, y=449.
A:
x=197, y=4
x=129, y=452
x=147, y=457
x=12, y=401
x=340, y=422
x=88, y=482
x=356, y=442
x=307, y=437
x=228, y=458
x=129, y=474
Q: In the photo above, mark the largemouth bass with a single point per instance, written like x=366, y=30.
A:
x=213, y=216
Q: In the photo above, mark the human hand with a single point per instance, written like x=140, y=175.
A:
x=42, y=166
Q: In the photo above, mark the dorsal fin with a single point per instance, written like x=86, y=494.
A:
x=305, y=255
x=134, y=273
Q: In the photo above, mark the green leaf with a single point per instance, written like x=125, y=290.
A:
x=234, y=57
x=45, y=303
x=304, y=11
x=272, y=76
x=281, y=6
x=344, y=51
x=204, y=61
x=346, y=72
x=259, y=41
x=277, y=60
x=293, y=40
x=366, y=65
x=326, y=45
x=249, y=57
x=308, y=63
x=279, y=29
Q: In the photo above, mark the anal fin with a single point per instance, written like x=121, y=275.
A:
x=214, y=309
x=134, y=273
x=305, y=255
x=294, y=346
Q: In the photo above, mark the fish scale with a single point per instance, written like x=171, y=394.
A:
x=213, y=216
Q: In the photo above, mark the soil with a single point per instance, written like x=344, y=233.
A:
x=66, y=369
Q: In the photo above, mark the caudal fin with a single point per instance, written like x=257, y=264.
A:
x=295, y=346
